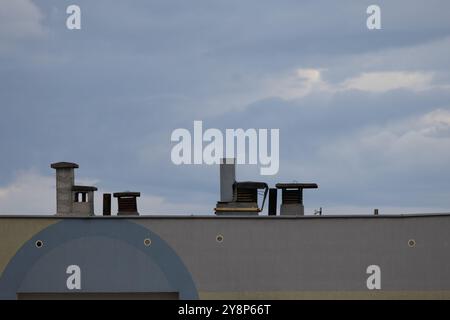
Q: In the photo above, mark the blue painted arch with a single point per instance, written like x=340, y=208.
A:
x=118, y=243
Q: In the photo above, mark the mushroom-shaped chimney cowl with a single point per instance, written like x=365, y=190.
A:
x=64, y=165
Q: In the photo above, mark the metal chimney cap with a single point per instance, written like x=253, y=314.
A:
x=64, y=165
x=228, y=161
x=296, y=186
x=250, y=185
x=84, y=188
x=126, y=194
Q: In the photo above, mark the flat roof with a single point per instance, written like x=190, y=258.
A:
x=212, y=216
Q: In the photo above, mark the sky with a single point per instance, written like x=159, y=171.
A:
x=363, y=113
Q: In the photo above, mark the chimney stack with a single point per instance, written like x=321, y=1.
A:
x=227, y=179
x=237, y=198
x=107, y=204
x=65, y=180
x=127, y=203
x=272, y=202
x=292, y=197
x=70, y=198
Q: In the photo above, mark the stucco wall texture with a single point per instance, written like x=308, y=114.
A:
x=248, y=257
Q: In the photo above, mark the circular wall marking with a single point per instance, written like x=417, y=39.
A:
x=147, y=242
x=84, y=238
x=411, y=243
x=39, y=244
x=219, y=238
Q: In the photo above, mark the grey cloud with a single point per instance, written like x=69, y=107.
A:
x=110, y=95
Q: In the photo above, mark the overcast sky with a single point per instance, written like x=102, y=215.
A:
x=365, y=114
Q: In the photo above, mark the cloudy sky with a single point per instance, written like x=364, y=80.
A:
x=365, y=114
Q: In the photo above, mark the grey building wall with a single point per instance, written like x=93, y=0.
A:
x=281, y=257
x=311, y=254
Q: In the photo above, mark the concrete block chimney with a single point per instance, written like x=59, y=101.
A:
x=83, y=200
x=70, y=198
x=65, y=180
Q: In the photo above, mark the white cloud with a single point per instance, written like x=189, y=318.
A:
x=389, y=80
x=398, y=167
x=29, y=193
x=419, y=140
x=296, y=84
x=416, y=144
x=19, y=19
x=33, y=193
x=303, y=82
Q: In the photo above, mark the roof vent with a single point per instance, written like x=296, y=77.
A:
x=292, y=197
x=127, y=203
x=238, y=197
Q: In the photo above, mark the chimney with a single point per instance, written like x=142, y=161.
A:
x=107, y=204
x=65, y=180
x=127, y=203
x=237, y=198
x=272, y=202
x=227, y=179
x=70, y=198
x=292, y=197
x=83, y=200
